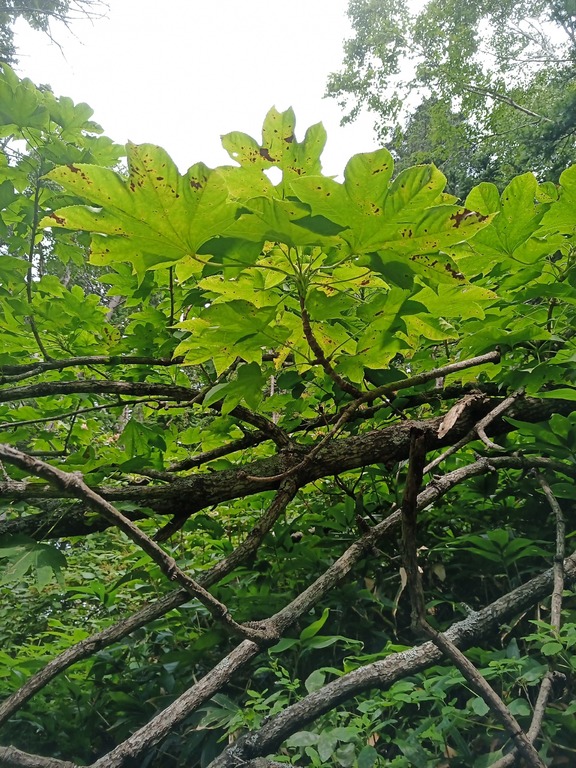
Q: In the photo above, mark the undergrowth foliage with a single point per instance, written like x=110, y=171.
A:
x=274, y=455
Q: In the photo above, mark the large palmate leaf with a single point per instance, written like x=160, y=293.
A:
x=279, y=147
x=154, y=216
x=513, y=233
x=21, y=104
x=408, y=216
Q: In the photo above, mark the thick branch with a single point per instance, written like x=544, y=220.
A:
x=195, y=696
x=10, y=757
x=11, y=373
x=183, y=395
x=187, y=495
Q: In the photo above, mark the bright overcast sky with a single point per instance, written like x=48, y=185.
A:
x=182, y=72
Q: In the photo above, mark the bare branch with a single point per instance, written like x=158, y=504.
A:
x=10, y=757
x=187, y=495
x=13, y=373
x=556, y=605
x=85, y=648
x=478, y=430
x=490, y=92
x=168, y=566
x=382, y=674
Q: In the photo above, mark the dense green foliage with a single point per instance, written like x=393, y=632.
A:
x=210, y=388
x=484, y=90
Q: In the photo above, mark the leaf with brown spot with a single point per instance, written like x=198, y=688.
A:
x=155, y=216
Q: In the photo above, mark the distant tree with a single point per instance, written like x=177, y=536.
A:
x=484, y=90
x=40, y=14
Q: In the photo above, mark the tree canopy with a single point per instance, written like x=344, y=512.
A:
x=40, y=15
x=274, y=453
x=485, y=90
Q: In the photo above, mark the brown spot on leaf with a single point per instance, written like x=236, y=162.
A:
x=58, y=219
x=195, y=184
x=455, y=274
x=265, y=153
x=75, y=169
x=460, y=216
x=289, y=139
x=159, y=178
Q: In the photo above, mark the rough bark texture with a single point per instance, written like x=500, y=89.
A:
x=187, y=495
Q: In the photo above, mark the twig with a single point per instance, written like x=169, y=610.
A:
x=475, y=680
x=249, y=440
x=547, y=684
x=72, y=414
x=505, y=100
x=478, y=430
x=344, y=385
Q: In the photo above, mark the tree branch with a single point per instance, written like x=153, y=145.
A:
x=344, y=385
x=167, y=564
x=12, y=373
x=87, y=647
x=187, y=495
x=382, y=674
x=505, y=100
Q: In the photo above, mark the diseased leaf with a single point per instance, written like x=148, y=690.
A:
x=155, y=213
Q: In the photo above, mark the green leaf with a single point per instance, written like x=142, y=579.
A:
x=560, y=394
x=380, y=223
x=279, y=147
x=479, y=707
x=315, y=681
x=139, y=440
x=302, y=739
x=367, y=757
x=21, y=104
x=215, y=394
x=326, y=745
x=552, y=648
x=316, y=626
x=155, y=216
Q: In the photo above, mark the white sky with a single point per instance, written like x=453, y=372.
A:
x=182, y=72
